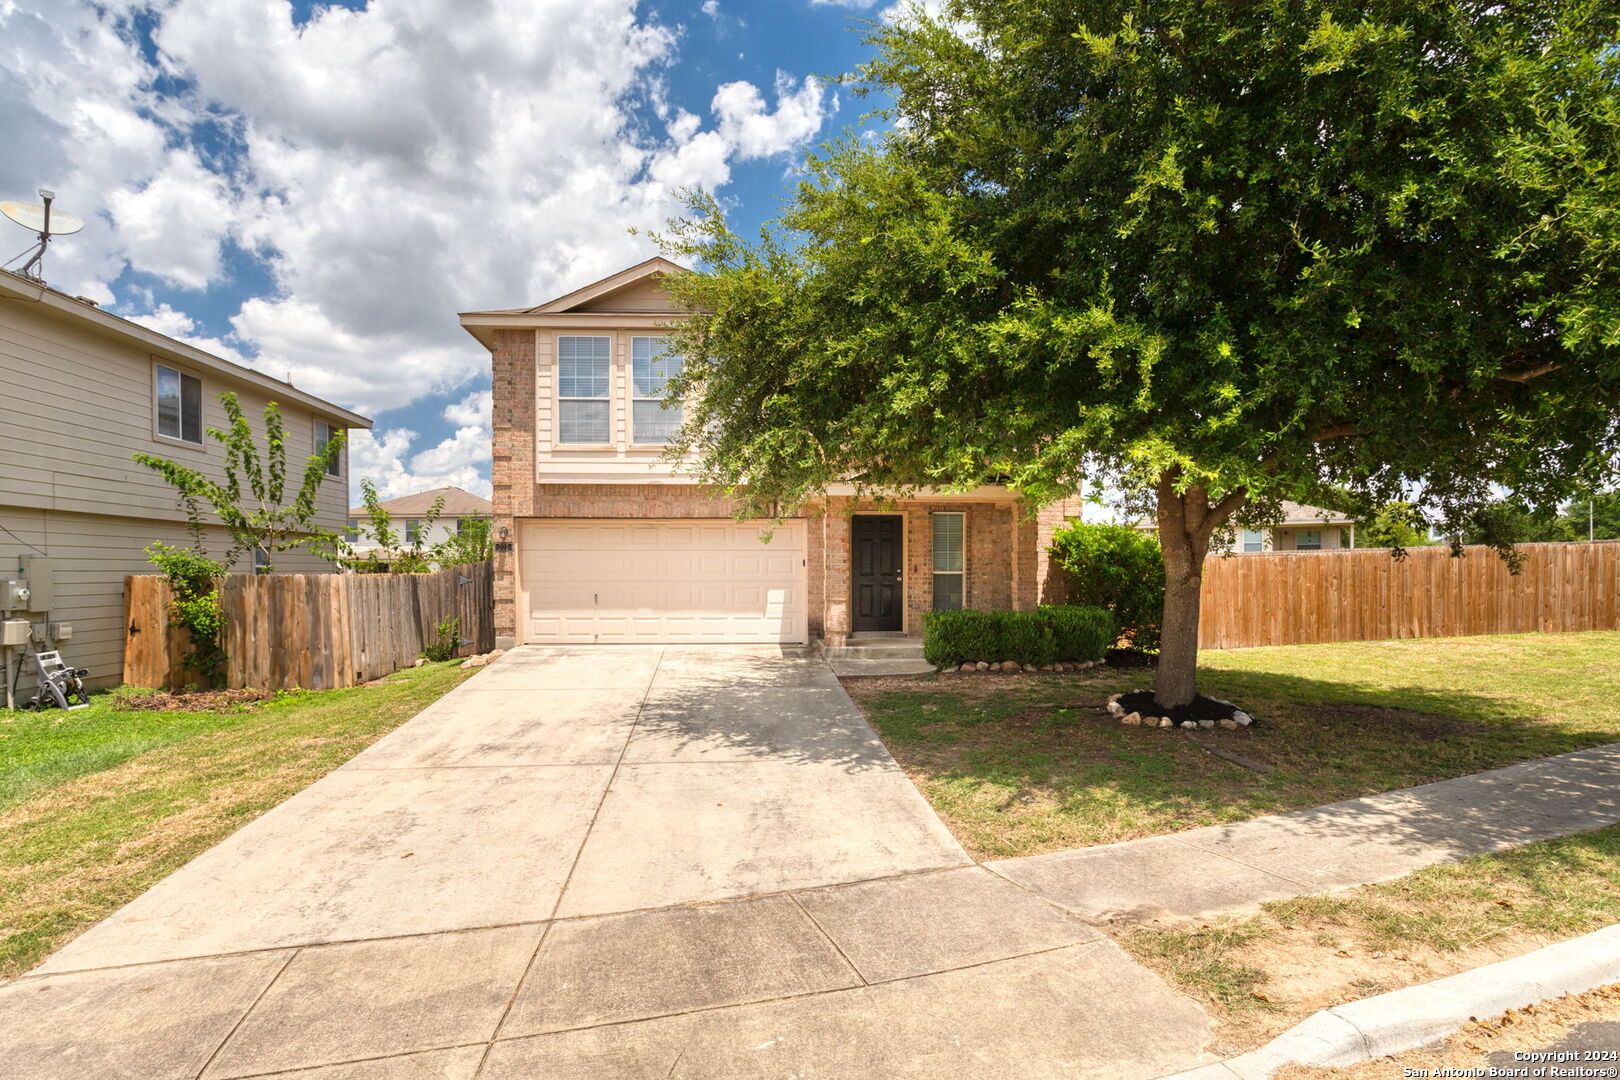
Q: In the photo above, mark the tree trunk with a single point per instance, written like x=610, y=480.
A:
x=1187, y=520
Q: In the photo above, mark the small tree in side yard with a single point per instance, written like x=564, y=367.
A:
x=471, y=542
x=393, y=551
x=251, y=502
x=1219, y=254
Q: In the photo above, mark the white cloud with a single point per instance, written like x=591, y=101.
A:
x=385, y=457
x=393, y=165
x=753, y=131
x=711, y=8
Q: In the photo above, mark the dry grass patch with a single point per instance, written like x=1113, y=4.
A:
x=1261, y=975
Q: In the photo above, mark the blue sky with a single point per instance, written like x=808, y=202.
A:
x=316, y=189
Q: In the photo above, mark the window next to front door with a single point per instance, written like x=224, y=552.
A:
x=583, y=367
x=179, y=404
x=874, y=580
x=948, y=561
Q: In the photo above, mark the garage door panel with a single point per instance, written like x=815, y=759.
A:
x=661, y=581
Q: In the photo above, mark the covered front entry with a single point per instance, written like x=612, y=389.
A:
x=648, y=582
x=877, y=554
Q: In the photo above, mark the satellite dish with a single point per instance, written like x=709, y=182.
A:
x=32, y=217
x=45, y=223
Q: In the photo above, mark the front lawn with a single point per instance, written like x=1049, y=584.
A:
x=1028, y=763
x=98, y=804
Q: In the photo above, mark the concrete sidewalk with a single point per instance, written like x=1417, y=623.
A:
x=1236, y=867
x=602, y=862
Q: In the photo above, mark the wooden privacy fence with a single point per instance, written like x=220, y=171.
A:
x=1365, y=595
x=316, y=631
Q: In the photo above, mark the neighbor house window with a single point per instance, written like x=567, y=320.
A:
x=1308, y=540
x=948, y=561
x=323, y=439
x=413, y=530
x=582, y=389
x=179, y=405
x=652, y=367
x=261, y=561
x=351, y=531
x=1253, y=540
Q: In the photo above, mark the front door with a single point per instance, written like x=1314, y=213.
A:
x=875, y=561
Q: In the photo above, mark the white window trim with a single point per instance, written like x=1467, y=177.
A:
x=336, y=472
x=558, y=399
x=635, y=396
x=202, y=396
x=933, y=573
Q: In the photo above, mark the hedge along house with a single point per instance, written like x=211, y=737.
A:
x=601, y=540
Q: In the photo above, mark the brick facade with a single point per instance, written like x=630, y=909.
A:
x=1006, y=563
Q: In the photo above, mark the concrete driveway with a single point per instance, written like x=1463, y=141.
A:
x=600, y=862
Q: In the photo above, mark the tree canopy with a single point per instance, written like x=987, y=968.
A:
x=1219, y=254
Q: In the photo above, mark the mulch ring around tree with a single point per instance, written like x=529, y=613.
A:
x=1140, y=709
x=192, y=700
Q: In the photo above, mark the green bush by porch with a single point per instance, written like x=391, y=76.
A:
x=1037, y=637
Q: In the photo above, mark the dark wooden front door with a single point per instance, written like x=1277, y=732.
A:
x=875, y=561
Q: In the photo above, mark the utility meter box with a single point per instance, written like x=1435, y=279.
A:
x=39, y=574
x=15, y=631
x=61, y=631
x=14, y=594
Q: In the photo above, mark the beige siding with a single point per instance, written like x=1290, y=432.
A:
x=644, y=295
x=91, y=555
x=78, y=403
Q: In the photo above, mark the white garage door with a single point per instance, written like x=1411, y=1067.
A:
x=611, y=582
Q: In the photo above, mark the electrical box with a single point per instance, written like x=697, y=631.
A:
x=14, y=594
x=39, y=571
x=61, y=631
x=15, y=631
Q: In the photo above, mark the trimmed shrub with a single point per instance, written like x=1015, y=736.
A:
x=1079, y=633
x=1032, y=638
x=1026, y=636
x=1117, y=568
x=955, y=637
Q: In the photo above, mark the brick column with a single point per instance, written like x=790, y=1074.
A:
x=835, y=541
x=1051, y=580
x=512, y=466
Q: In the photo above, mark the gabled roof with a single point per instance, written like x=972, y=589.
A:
x=1293, y=513
x=596, y=290
x=457, y=503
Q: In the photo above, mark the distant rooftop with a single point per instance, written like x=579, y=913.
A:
x=457, y=503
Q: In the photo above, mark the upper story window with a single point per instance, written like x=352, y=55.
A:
x=179, y=404
x=323, y=437
x=351, y=531
x=583, y=375
x=653, y=366
x=1253, y=540
x=413, y=530
x=1308, y=540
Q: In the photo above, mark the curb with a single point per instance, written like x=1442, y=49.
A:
x=1419, y=1015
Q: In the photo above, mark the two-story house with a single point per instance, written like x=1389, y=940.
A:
x=601, y=539
x=408, y=514
x=80, y=391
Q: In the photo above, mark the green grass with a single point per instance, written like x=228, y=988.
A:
x=1546, y=891
x=1022, y=764
x=98, y=804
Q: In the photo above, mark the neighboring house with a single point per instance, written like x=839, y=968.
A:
x=1302, y=528
x=84, y=390
x=599, y=539
x=409, y=513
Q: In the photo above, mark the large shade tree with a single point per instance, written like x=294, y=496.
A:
x=1216, y=253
